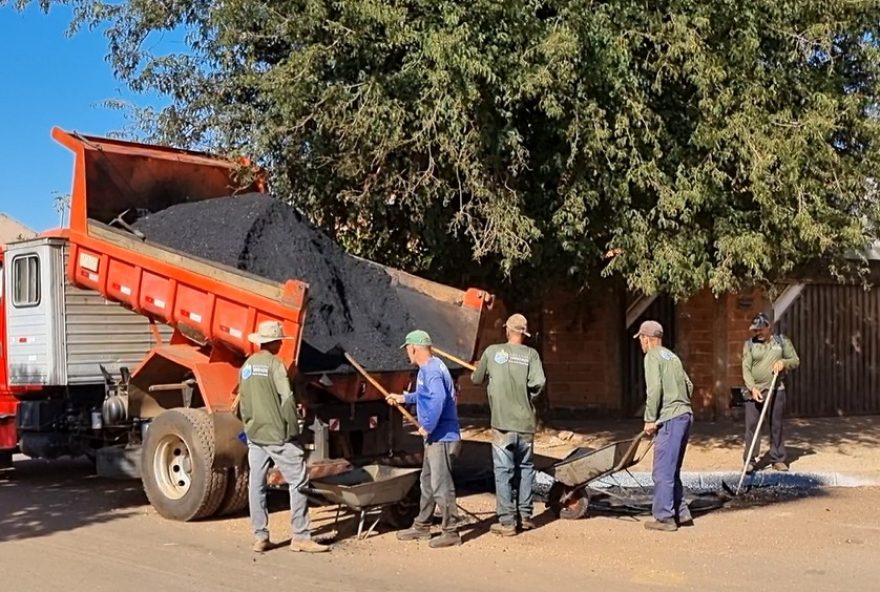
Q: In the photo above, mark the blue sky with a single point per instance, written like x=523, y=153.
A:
x=48, y=79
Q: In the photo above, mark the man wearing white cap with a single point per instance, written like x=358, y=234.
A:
x=516, y=378
x=268, y=410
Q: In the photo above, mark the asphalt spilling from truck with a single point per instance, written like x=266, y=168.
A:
x=352, y=304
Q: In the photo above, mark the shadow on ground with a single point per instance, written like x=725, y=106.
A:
x=39, y=498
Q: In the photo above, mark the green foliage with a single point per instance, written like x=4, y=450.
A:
x=720, y=143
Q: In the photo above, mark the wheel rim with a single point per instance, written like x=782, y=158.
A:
x=172, y=466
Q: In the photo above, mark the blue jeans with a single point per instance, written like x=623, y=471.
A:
x=514, y=470
x=670, y=444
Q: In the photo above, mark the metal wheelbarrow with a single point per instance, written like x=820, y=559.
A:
x=569, y=497
x=369, y=491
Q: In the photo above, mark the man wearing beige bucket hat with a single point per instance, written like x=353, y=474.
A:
x=516, y=378
x=271, y=422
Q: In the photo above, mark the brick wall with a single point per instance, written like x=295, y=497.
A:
x=581, y=349
x=578, y=337
x=711, y=332
x=696, y=343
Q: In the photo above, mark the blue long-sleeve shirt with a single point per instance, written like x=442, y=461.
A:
x=434, y=398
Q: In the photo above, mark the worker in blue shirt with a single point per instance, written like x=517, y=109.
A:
x=434, y=398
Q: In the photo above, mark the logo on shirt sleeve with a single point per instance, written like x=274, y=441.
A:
x=246, y=371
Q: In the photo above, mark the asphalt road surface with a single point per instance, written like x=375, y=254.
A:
x=64, y=530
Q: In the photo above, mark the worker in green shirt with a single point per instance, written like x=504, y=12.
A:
x=271, y=423
x=668, y=417
x=763, y=356
x=516, y=378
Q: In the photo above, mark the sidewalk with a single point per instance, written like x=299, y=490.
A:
x=826, y=451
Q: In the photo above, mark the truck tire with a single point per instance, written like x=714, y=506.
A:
x=235, y=499
x=177, y=466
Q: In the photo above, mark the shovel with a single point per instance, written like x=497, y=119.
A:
x=767, y=402
x=406, y=414
x=453, y=359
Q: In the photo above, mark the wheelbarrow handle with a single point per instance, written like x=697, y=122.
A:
x=636, y=442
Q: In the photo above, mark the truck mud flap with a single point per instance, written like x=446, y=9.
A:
x=229, y=451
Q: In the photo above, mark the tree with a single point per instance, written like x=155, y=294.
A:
x=674, y=144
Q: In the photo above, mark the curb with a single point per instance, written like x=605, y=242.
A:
x=711, y=481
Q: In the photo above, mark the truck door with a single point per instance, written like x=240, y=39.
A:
x=28, y=324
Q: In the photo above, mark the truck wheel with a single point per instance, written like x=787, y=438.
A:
x=235, y=499
x=176, y=466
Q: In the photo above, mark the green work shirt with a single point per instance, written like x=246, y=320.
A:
x=759, y=356
x=515, y=377
x=267, y=405
x=669, y=388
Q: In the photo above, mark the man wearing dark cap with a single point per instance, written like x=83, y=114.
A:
x=516, y=378
x=764, y=355
x=668, y=414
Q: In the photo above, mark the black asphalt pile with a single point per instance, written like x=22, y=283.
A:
x=352, y=303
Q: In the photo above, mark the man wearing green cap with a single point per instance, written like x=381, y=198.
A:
x=268, y=410
x=434, y=398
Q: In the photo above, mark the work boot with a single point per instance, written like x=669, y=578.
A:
x=446, y=539
x=505, y=530
x=685, y=519
x=307, y=546
x=417, y=532
x=527, y=524
x=751, y=468
x=664, y=525
x=261, y=545
x=780, y=466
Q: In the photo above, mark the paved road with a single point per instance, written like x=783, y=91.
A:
x=62, y=530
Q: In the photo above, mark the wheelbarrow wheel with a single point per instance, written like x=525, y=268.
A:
x=566, y=504
x=401, y=515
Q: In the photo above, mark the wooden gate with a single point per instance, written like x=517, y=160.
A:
x=836, y=331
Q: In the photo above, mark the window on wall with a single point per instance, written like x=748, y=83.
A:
x=26, y=281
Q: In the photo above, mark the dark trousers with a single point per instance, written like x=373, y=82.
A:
x=670, y=444
x=438, y=488
x=774, y=416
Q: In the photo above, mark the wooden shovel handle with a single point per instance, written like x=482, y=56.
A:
x=406, y=414
x=454, y=359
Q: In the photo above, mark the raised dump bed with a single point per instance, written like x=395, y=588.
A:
x=181, y=394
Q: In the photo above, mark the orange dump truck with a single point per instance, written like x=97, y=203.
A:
x=128, y=352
